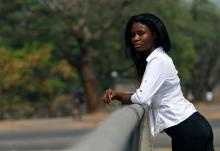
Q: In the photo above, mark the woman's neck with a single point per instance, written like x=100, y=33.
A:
x=148, y=52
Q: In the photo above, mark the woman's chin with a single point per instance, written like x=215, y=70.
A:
x=139, y=50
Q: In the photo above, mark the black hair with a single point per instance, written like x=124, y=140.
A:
x=162, y=39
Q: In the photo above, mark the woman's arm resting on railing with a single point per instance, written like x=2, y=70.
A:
x=110, y=94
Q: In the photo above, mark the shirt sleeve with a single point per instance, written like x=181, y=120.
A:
x=153, y=79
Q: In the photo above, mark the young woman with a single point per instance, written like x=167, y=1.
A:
x=147, y=42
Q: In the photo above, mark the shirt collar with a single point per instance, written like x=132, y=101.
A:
x=154, y=53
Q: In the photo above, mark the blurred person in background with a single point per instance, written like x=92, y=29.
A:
x=209, y=95
x=147, y=42
x=78, y=100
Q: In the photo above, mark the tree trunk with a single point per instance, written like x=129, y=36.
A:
x=90, y=87
x=202, y=74
x=199, y=90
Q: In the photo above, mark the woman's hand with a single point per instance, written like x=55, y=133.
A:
x=124, y=98
x=109, y=96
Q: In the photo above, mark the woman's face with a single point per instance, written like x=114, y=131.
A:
x=142, y=38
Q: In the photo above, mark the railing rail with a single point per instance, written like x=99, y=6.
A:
x=126, y=129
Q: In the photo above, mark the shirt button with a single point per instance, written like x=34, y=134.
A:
x=140, y=90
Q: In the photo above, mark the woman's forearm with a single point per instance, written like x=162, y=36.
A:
x=124, y=98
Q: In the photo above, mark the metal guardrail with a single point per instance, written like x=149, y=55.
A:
x=126, y=129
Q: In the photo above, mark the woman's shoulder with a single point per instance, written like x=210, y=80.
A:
x=162, y=57
x=163, y=61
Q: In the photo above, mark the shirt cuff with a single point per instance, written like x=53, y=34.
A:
x=134, y=99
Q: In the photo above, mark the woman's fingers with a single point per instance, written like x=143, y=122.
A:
x=105, y=97
x=108, y=96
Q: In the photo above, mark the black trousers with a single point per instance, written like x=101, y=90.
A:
x=193, y=134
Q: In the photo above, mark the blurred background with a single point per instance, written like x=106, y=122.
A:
x=57, y=57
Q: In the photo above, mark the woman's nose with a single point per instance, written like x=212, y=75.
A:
x=135, y=38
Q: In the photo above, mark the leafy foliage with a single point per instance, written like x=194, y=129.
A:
x=29, y=74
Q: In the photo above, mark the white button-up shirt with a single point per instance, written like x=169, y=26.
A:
x=160, y=90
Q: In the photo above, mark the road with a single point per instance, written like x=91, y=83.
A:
x=42, y=139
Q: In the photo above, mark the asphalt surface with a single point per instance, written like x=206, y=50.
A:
x=40, y=140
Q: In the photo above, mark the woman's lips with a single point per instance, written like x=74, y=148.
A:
x=137, y=45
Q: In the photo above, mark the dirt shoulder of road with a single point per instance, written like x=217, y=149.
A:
x=210, y=111
x=87, y=121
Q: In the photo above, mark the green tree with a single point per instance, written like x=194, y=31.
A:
x=76, y=30
x=30, y=75
x=206, y=19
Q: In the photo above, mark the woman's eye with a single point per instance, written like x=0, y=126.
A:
x=133, y=34
x=140, y=33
